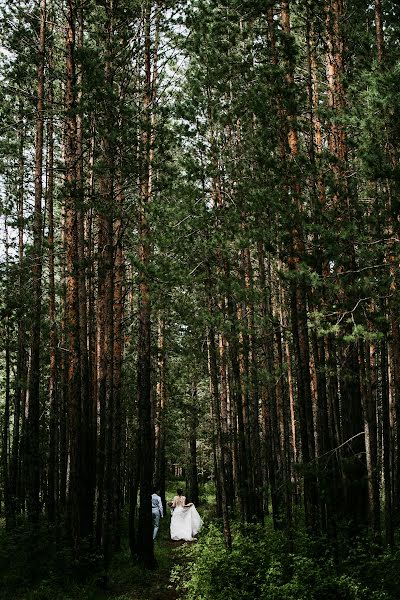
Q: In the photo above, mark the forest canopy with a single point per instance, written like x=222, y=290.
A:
x=199, y=270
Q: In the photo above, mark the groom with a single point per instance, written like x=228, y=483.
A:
x=157, y=511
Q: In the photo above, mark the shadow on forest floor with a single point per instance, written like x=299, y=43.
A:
x=127, y=580
x=132, y=582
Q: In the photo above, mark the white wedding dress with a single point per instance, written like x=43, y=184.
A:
x=185, y=521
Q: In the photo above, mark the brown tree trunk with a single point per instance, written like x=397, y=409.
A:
x=17, y=453
x=216, y=409
x=237, y=398
x=225, y=401
x=193, y=423
x=72, y=283
x=371, y=436
x=146, y=450
x=161, y=399
x=298, y=307
x=32, y=437
x=7, y=396
x=133, y=484
x=253, y=387
x=107, y=189
x=118, y=416
x=354, y=482
x=53, y=467
x=387, y=455
x=273, y=448
x=87, y=470
x=63, y=403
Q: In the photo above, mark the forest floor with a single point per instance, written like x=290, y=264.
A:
x=127, y=580
x=47, y=574
x=130, y=581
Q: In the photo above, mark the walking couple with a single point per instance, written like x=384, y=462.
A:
x=185, y=521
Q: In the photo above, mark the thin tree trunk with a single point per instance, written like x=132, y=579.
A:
x=7, y=397
x=298, y=306
x=146, y=450
x=193, y=423
x=354, y=482
x=273, y=449
x=32, y=438
x=224, y=399
x=237, y=397
x=118, y=416
x=17, y=453
x=216, y=408
x=53, y=468
x=387, y=462
x=160, y=433
x=86, y=503
x=72, y=283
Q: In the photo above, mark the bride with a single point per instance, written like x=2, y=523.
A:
x=185, y=520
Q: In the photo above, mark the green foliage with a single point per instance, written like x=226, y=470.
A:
x=42, y=567
x=40, y=562
x=260, y=566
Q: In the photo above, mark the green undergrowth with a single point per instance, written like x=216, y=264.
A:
x=36, y=566
x=260, y=566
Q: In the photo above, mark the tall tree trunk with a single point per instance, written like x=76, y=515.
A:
x=371, y=437
x=216, y=409
x=118, y=416
x=7, y=397
x=107, y=188
x=391, y=258
x=146, y=450
x=237, y=398
x=32, y=438
x=387, y=455
x=193, y=423
x=298, y=306
x=17, y=453
x=354, y=482
x=253, y=386
x=53, y=467
x=273, y=448
x=87, y=470
x=161, y=401
x=225, y=417
x=72, y=282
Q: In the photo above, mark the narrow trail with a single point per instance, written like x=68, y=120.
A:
x=131, y=582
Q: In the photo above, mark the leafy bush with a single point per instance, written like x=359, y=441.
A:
x=219, y=574
x=259, y=566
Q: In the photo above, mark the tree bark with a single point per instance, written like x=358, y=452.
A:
x=146, y=450
x=7, y=397
x=72, y=283
x=387, y=457
x=161, y=402
x=32, y=438
x=193, y=423
x=53, y=467
x=17, y=451
x=118, y=318
x=220, y=467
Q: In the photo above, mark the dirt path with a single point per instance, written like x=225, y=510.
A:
x=132, y=582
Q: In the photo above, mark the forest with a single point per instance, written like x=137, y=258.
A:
x=200, y=288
